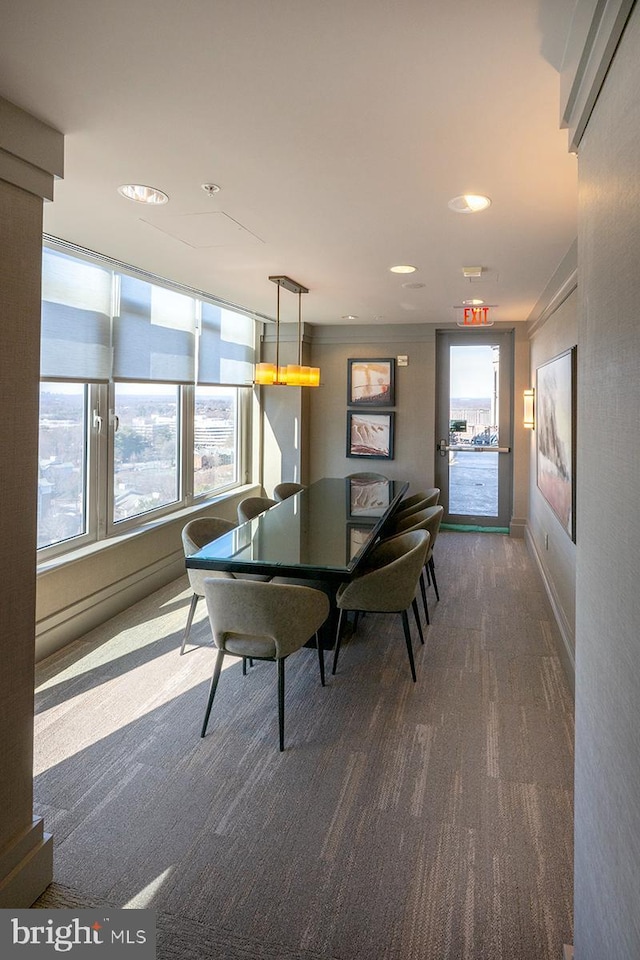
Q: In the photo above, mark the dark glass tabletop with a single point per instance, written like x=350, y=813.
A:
x=323, y=532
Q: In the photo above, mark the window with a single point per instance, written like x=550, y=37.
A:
x=146, y=459
x=215, y=439
x=141, y=409
x=62, y=462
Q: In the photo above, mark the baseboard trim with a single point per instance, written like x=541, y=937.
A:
x=26, y=868
x=517, y=527
x=566, y=648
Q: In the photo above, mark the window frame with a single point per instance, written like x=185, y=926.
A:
x=100, y=525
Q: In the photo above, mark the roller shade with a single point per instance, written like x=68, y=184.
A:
x=153, y=333
x=76, y=319
x=99, y=324
x=226, y=353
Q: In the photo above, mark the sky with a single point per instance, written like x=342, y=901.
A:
x=471, y=373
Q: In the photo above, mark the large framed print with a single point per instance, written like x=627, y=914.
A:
x=371, y=382
x=370, y=435
x=556, y=436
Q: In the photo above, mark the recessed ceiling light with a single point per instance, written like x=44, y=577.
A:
x=349, y=316
x=473, y=303
x=142, y=194
x=469, y=203
x=403, y=268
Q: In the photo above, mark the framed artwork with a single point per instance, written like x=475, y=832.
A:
x=371, y=383
x=556, y=436
x=370, y=435
x=368, y=497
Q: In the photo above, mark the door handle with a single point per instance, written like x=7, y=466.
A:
x=442, y=447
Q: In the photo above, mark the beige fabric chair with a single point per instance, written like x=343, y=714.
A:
x=263, y=621
x=252, y=507
x=428, y=520
x=282, y=491
x=195, y=535
x=388, y=585
x=419, y=501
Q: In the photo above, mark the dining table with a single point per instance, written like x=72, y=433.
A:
x=320, y=536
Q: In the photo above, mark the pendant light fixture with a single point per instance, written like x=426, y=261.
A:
x=294, y=374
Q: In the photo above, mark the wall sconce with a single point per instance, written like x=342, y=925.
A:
x=529, y=412
x=294, y=374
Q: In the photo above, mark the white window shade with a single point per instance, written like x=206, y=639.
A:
x=153, y=334
x=226, y=353
x=76, y=319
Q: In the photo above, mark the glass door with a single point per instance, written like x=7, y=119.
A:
x=474, y=374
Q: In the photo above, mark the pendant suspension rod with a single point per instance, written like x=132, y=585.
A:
x=278, y=335
x=299, y=328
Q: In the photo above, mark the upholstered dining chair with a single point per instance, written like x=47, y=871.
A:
x=282, y=491
x=252, y=507
x=419, y=501
x=263, y=621
x=388, y=585
x=195, y=535
x=428, y=520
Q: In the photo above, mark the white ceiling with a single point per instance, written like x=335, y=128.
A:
x=337, y=131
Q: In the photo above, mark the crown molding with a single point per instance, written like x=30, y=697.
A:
x=31, y=152
x=595, y=32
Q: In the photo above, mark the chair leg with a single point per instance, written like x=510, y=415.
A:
x=414, y=604
x=320, y=657
x=281, y=701
x=423, y=591
x=336, y=649
x=212, y=690
x=433, y=577
x=187, y=629
x=407, y=636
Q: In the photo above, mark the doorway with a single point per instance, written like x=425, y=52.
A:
x=474, y=376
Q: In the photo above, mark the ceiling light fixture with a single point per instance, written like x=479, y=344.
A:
x=141, y=194
x=469, y=203
x=473, y=303
x=403, y=268
x=294, y=374
x=350, y=316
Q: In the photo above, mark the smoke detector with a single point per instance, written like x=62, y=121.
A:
x=210, y=189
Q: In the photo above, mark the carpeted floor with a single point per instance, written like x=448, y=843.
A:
x=427, y=821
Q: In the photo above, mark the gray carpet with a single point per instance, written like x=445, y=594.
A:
x=426, y=821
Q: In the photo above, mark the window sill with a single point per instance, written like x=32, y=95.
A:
x=181, y=515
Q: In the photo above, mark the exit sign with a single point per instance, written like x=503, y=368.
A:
x=475, y=317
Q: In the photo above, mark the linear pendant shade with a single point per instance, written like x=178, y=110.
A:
x=294, y=374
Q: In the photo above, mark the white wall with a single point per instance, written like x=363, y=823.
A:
x=607, y=808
